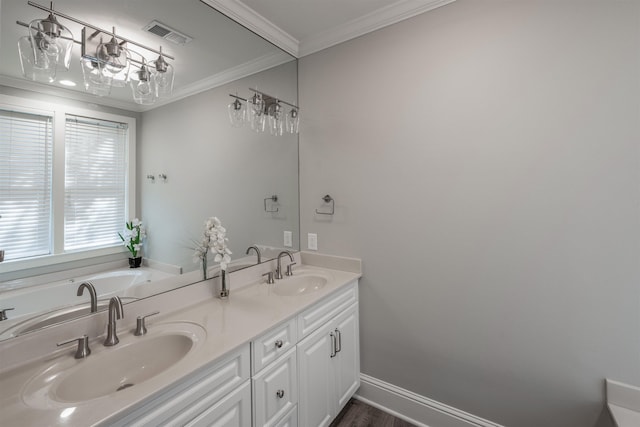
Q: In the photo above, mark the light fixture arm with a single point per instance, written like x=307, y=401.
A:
x=86, y=24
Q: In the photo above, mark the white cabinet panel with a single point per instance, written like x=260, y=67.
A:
x=328, y=369
x=315, y=378
x=325, y=310
x=347, y=360
x=234, y=410
x=275, y=390
x=273, y=344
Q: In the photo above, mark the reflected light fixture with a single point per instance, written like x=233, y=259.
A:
x=47, y=48
x=263, y=110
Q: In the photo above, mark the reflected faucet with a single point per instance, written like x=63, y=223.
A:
x=279, y=267
x=116, y=311
x=255, y=248
x=92, y=294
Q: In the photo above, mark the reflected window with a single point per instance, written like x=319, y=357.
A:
x=26, y=151
x=65, y=179
x=95, y=182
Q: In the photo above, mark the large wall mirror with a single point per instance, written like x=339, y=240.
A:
x=191, y=163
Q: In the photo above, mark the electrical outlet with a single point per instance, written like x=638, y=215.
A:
x=288, y=239
x=312, y=241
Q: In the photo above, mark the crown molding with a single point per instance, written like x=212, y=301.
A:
x=68, y=93
x=227, y=76
x=243, y=70
x=388, y=15
x=396, y=12
x=249, y=18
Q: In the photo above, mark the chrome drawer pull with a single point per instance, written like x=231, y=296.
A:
x=280, y=394
x=279, y=344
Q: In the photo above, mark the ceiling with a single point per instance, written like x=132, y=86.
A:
x=302, y=27
x=221, y=50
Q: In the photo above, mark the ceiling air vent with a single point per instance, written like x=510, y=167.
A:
x=167, y=33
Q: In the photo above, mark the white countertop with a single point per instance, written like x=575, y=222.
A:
x=229, y=324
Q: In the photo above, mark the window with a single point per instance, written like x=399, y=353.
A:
x=95, y=183
x=66, y=182
x=26, y=149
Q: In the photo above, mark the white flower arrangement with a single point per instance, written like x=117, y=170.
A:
x=133, y=236
x=214, y=239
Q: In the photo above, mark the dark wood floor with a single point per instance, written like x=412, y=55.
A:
x=358, y=414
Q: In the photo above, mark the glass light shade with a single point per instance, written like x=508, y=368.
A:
x=293, y=121
x=116, y=62
x=143, y=86
x=95, y=80
x=256, y=113
x=34, y=62
x=237, y=113
x=53, y=39
x=164, y=76
x=276, y=121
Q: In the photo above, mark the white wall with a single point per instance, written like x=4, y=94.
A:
x=484, y=162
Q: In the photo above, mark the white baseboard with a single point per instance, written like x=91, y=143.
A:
x=414, y=408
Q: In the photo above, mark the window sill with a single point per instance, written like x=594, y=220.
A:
x=18, y=269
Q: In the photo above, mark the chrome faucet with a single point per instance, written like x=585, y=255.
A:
x=116, y=311
x=279, y=267
x=92, y=294
x=255, y=248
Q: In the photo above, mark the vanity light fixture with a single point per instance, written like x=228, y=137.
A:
x=106, y=59
x=263, y=111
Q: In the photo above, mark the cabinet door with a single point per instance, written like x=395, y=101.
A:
x=275, y=391
x=234, y=410
x=315, y=378
x=347, y=360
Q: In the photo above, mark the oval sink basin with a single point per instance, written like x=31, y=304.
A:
x=299, y=285
x=127, y=366
x=110, y=370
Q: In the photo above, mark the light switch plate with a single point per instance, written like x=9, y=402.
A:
x=312, y=241
x=288, y=239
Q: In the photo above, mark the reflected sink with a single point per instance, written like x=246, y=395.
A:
x=110, y=370
x=300, y=284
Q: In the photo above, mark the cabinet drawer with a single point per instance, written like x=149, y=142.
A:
x=319, y=314
x=272, y=344
x=289, y=420
x=275, y=391
x=234, y=410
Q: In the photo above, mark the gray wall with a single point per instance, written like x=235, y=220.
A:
x=484, y=162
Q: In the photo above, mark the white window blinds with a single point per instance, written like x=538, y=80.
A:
x=95, y=182
x=25, y=184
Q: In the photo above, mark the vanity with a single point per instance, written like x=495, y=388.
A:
x=282, y=354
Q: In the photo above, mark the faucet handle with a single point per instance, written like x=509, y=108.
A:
x=83, y=346
x=3, y=314
x=270, y=280
x=290, y=269
x=141, y=328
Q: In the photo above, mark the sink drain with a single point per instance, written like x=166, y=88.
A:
x=123, y=386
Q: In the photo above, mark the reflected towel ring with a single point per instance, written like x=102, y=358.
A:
x=328, y=199
x=274, y=199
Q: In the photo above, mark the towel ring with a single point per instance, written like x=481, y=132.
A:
x=328, y=199
x=274, y=199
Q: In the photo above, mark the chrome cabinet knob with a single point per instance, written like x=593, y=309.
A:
x=279, y=344
x=280, y=394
